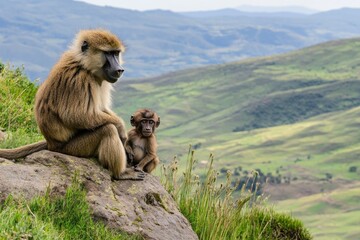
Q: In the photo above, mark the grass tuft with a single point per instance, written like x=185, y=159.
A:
x=215, y=213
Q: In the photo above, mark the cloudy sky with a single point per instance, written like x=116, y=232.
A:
x=192, y=5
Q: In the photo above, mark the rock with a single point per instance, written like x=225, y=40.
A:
x=141, y=207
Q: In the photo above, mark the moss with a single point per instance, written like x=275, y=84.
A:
x=133, y=189
x=156, y=199
x=138, y=219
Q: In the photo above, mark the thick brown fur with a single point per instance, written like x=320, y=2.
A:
x=72, y=107
x=141, y=145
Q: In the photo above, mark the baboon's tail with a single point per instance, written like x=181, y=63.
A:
x=23, y=151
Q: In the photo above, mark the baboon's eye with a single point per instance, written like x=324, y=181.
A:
x=151, y=122
x=84, y=46
x=115, y=52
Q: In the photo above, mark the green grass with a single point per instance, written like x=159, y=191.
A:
x=18, y=222
x=19, y=138
x=53, y=217
x=215, y=213
x=17, y=96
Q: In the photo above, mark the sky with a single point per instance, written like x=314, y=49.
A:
x=196, y=5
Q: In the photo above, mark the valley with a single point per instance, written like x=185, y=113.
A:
x=293, y=117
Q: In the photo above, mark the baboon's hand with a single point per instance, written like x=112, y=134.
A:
x=131, y=174
x=137, y=168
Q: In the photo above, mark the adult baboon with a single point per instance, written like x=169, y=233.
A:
x=72, y=107
x=141, y=145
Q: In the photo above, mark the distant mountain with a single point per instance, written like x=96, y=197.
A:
x=348, y=13
x=287, y=9
x=253, y=11
x=34, y=33
x=232, y=12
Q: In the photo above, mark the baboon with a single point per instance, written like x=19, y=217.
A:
x=72, y=106
x=141, y=145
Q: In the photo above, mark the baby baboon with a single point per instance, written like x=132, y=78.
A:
x=72, y=106
x=141, y=145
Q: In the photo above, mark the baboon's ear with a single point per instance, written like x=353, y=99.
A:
x=132, y=121
x=158, y=122
x=84, y=46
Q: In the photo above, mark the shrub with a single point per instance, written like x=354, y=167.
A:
x=353, y=169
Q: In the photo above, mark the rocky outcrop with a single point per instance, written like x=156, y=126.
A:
x=142, y=207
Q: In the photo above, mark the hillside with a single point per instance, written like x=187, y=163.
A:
x=293, y=117
x=34, y=33
x=242, y=96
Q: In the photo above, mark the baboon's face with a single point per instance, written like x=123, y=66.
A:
x=147, y=127
x=103, y=60
x=112, y=68
x=145, y=121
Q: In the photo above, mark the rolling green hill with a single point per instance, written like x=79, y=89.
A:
x=292, y=117
x=200, y=104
